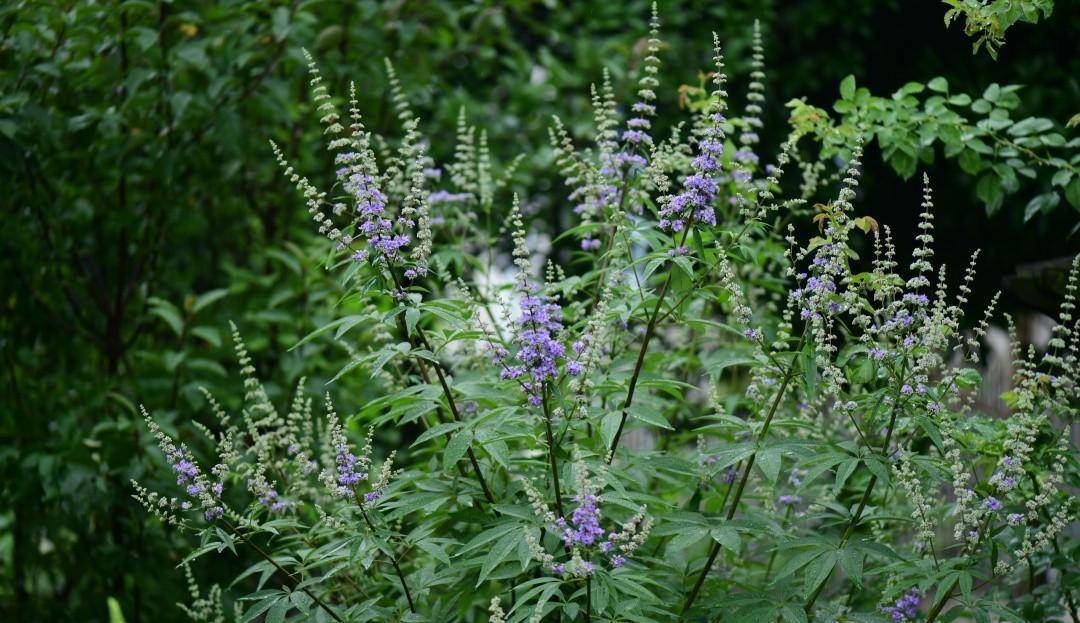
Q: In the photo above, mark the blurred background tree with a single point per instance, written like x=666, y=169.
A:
x=144, y=208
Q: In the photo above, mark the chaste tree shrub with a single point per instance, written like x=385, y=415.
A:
x=723, y=405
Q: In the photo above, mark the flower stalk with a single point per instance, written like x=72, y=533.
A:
x=715, y=550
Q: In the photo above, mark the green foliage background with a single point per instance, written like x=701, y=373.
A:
x=144, y=210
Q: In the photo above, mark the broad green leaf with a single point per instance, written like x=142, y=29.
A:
x=818, y=571
x=206, y=299
x=261, y=607
x=768, y=461
x=851, y=561
x=938, y=84
x=455, y=448
x=686, y=538
x=276, y=614
x=878, y=468
x=847, y=87
x=436, y=551
x=649, y=415
x=1044, y=203
x=793, y=613
x=116, y=615
x=727, y=537
x=498, y=553
x=168, y=312
x=609, y=425
x=1072, y=192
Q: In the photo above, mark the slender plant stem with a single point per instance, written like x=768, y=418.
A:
x=443, y=384
x=638, y=364
x=393, y=561
x=854, y=521
x=745, y=476
x=457, y=418
x=551, y=453
x=649, y=330
x=283, y=571
x=610, y=243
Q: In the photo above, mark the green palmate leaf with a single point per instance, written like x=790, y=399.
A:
x=727, y=537
x=844, y=471
x=543, y=588
x=797, y=561
x=672, y=387
x=609, y=425
x=420, y=501
x=761, y=611
x=437, y=431
x=768, y=461
x=169, y=313
x=649, y=416
x=964, y=581
x=685, y=264
x=931, y=429
x=873, y=548
x=793, y=613
x=851, y=561
x=260, y=567
x=720, y=360
x=346, y=321
x=686, y=537
x=202, y=551
x=302, y=601
x=455, y=449
x=435, y=551
x=498, y=553
x=207, y=299
x=412, y=316
x=263, y=606
x=276, y=613
x=488, y=536
x=818, y=570
x=878, y=468
x=499, y=451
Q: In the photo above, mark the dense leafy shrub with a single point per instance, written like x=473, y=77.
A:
x=147, y=214
x=707, y=413
x=988, y=21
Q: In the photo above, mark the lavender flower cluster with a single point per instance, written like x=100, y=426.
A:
x=376, y=228
x=701, y=188
x=905, y=608
x=538, y=328
x=582, y=534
